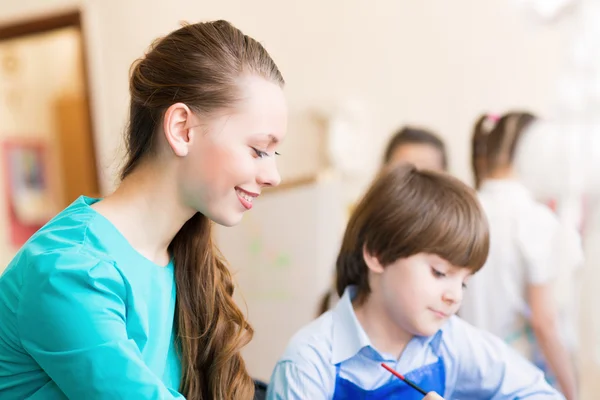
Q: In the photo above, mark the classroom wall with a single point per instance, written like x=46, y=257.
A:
x=432, y=61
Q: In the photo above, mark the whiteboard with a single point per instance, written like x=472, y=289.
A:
x=282, y=256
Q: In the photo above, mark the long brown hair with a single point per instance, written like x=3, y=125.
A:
x=199, y=65
x=405, y=212
x=495, y=140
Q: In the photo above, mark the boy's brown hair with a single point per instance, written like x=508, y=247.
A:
x=406, y=212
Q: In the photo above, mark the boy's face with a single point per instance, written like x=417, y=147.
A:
x=419, y=293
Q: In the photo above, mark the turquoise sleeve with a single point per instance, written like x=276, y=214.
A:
x=72, y=322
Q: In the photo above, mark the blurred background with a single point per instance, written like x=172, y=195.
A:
x=356, y=71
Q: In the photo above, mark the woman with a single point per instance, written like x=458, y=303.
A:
x=127, y=296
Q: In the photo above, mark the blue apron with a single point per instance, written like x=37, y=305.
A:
x=431, y=378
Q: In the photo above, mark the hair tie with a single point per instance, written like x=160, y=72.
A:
x=490, y=123
x=493, y=117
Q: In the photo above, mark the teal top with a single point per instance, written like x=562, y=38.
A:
x=85, y=316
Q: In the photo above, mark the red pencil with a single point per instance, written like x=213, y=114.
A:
x=408, y=382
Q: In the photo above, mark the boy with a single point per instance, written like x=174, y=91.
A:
x=409, y=249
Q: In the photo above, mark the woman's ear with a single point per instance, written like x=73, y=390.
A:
x=372, y=261
x=176, y=128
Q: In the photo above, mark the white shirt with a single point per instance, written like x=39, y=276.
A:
x=528, y=246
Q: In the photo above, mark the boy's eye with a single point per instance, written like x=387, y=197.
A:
x=437, y=273
x=464, y=286
x=260, y=153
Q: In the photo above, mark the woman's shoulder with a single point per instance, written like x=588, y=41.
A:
x=74, y=264
x=67, y=242
x=78, y=229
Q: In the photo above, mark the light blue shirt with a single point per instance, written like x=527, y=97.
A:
x=85, y=316
x=478, y=365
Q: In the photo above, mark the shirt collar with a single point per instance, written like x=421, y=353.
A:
x=349, y=337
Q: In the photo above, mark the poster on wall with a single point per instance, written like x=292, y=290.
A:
x=27, y=189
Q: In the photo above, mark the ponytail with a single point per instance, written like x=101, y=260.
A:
x=495, y=141
x=479, y=147
x=211, y=328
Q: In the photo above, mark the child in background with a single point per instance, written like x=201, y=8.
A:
x=513, y=296
x=409, y=249
x=417, y=146
x=410, y=145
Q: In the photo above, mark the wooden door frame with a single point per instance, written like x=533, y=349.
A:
x=48, y=23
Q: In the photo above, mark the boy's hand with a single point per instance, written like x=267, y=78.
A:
x=433, y=396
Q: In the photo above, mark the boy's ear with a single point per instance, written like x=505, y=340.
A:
x=372, y=261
